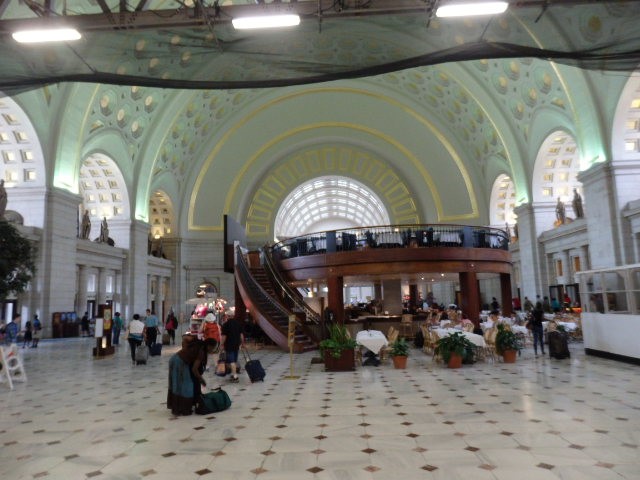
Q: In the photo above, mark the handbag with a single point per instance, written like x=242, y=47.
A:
x=214, y=401
x=221, y=367
x=529, y=325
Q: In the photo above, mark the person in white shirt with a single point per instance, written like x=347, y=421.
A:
x=135, y=335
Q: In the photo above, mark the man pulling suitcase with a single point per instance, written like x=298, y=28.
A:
x=232, y=338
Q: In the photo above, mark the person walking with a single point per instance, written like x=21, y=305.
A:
x=151, y=328
x=170, y=326
x=28, y=334
x=232, y=339
x=537, y=315
x=528, y=305
x=135, y=335
x=117, y=327
x=37, y=331
x=84, y=324
x=12, y=329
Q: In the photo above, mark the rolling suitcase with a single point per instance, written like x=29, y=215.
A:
x=558, y=345
x=166, y=339
x=155, y=349
x=142, y=353
x=253, y=367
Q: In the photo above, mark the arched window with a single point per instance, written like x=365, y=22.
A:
x=556, y=169
x=328, y=203
x=503, y=197
x=103, y=191
x=161, y=215
x=21, y=164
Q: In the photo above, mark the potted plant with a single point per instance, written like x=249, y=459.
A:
x=507, y=344
x=338, y=350
x=399, y=353
x=454, y=348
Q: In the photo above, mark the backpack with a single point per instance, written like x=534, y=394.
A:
x=37, y=325
x=215, y=401
x=211, y=330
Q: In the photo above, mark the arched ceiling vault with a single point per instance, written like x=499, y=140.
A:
x=483, y=110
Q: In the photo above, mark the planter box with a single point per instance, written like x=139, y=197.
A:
x=345, y=363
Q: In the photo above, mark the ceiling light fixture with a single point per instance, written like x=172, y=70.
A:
x=469, y=9
x=46, y=35
x=265, y=21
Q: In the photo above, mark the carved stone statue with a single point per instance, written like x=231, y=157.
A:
x=104, y=231
x=3, y=198
x=576, y=203
x=560, y=213
x=85, y=227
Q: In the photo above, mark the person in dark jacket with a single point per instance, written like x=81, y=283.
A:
x=232, y=339
x=537, y=315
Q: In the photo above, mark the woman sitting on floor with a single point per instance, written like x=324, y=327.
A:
x=185, y=375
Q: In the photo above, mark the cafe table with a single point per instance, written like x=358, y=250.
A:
x=372, y=340
x=474, y=338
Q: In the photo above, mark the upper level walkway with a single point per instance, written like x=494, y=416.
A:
x=398, y=250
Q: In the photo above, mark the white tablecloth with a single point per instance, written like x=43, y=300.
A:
x=372, y=340
x=519, y=329
x=476, y=339
x=568, y=326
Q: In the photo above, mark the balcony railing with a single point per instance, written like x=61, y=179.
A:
x=392, y=236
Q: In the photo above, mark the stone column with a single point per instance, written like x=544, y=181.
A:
x=585, y=263
x=101, y=287
x=505, y=292
x=413, y=296
x=57, y=257
x=392, y=290
x=530, y=264
x=470, y=296
x=81, y=306
x=158, y=296
x=335, y=297
x=137, y=268
x=566, y=267
x=601, y=215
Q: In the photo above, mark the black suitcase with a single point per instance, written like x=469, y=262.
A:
x=558, y=345
x=155, y=349
x=253, y=368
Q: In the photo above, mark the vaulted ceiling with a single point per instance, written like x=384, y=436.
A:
x=455, y=104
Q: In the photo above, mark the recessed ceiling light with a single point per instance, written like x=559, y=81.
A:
x=471, y=8
x=46, y=35
x=265, y=21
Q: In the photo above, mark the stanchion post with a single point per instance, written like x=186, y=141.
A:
x=291, y=338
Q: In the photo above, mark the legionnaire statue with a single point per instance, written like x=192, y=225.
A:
x=576, y=203
x=85, y=227
x=560, y=213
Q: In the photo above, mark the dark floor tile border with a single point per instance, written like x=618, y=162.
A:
x=612, y=356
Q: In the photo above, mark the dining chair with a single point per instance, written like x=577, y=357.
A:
x=490, y=341
x=391, y=338
x=428, y=343
x=406, y=326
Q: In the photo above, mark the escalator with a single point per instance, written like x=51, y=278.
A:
x=267, y=310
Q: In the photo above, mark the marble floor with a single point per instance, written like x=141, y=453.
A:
x=78, y=417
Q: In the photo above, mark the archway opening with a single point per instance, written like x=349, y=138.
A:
x=328, y=203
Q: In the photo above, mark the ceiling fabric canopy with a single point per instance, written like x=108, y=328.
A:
x=169, y=44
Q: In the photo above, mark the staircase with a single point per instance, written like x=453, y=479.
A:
x=260, y=296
